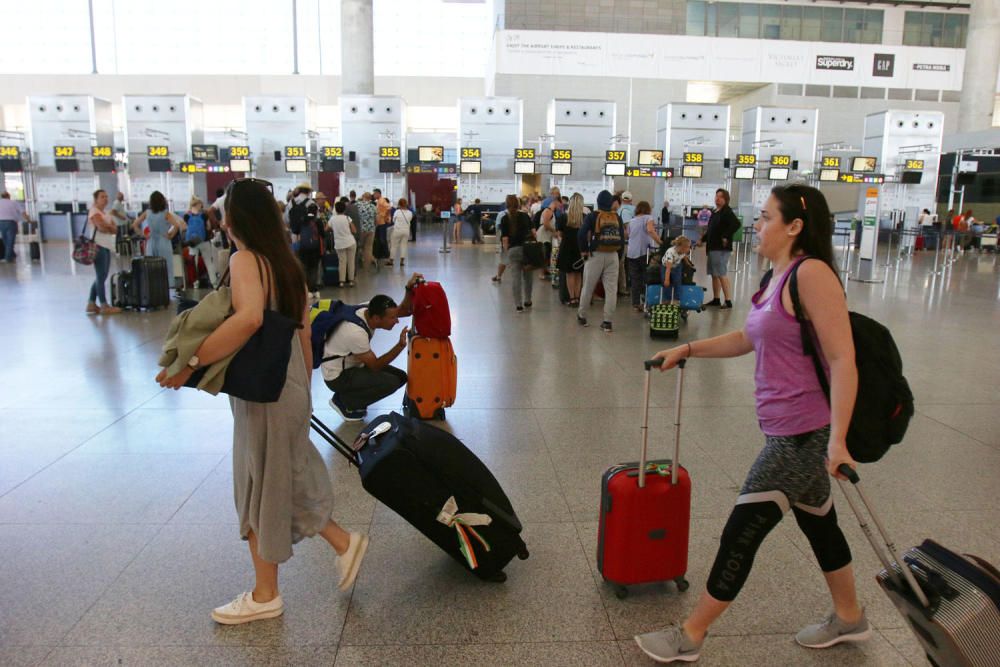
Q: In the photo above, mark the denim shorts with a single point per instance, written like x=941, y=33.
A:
x=718, y=262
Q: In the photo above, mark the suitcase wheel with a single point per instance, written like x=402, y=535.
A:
x=496, y=577
x=522, y=553
x=682, y=584
x=621, y=592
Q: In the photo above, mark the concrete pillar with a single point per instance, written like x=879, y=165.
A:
x=357, y=48
x=982, y=65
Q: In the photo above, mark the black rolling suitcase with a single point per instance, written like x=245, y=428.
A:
x=149, y=288
x=950, y=601
x=432, y=480
x=121, y=290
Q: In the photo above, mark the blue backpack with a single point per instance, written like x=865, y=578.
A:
x=324, y=318
x=196, y=231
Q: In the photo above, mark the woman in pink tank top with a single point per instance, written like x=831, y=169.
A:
x=805, y=433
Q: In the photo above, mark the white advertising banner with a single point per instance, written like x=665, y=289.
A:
x=687, y=58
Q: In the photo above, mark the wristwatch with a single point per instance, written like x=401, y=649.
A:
x=194, y=362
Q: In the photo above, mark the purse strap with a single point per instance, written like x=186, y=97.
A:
x=265, y=281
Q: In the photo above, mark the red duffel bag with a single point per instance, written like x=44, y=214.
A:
x=431, y=315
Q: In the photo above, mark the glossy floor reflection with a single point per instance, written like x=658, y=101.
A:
x=118, y=532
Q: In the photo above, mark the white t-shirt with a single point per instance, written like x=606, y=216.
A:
x=401, y=221
x=342, y=236
x=535, y=208
x=347, y=342
x=220, y=206
x=672, y=256
x=102, y=239
x=543, y=235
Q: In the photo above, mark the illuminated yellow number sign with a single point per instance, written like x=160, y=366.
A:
x=614, y=156
x=237, y=152
x=746, y=159
x=333, y=151
x=388, y=152
x=10, y=151
x=100, y=151
x=781, y=160
x=64, y=151
x=471, y=153
x=694, y=158
x=831, y=162
x=295, y=151
x=914, y=164
x=562, y=154
x=157, y=151
x=524, y=153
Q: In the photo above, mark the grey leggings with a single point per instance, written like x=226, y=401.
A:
x=523, y=279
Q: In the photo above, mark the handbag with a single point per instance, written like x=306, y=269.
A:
x=258, y=371
x=84, y=249
x=534, y=254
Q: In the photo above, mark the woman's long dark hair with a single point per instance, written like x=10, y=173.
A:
x=798, y=200
x=513, y=214
x=157, y=202
x=253, y=216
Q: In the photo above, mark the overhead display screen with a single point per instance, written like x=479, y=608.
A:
x=157, y=151
x=332, y=164
x=430, y=153
x=912, y=177
x=10, y=164
x=691, y=171
x=524, y=167
x=64, y=151
x=614, y=169
x=103, y=165
x=471, y=167
x=829, y=174
x=744, y=173
x=561, y=168
x=614, y=156
x=650, y=158
x=524, y=153
x=388, y=153
x=67, y=165
x=778, y=173
x=204, y=153
x=240, y=165
x=296, y=166
x=562, y=154
x=294, y=152
x=863, y=164
x=472, y=153
x=388, y=166
x=159, y=164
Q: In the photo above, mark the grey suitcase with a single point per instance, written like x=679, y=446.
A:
x=950, y=601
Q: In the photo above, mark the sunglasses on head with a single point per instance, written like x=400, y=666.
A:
x=237, y=181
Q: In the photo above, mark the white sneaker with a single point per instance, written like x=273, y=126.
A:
x=350, y=562
x=245, y=609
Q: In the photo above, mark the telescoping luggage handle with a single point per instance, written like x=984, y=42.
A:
x=675, y=463
x=350, y=452
x=911, y=581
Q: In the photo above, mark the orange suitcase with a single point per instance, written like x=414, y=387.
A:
x=433, y=377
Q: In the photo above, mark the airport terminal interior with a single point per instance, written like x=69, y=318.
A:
x=119, y=534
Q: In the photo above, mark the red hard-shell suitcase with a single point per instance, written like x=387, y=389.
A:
x=646, y=513
x=950, y=601
x=431, y=314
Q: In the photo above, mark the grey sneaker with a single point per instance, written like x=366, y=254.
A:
x=833, y=631
x=669, y=645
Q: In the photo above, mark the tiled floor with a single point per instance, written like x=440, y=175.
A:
x=118, y=535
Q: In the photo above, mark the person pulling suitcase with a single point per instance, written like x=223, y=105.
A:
x=805, y=435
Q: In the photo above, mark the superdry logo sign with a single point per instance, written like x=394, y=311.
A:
x=835, y=62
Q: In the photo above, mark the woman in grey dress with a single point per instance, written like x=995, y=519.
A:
x=281, y=484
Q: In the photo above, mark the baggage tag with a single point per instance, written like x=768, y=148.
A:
x=363, y=438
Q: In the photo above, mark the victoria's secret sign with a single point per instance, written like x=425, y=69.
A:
x=845, y=63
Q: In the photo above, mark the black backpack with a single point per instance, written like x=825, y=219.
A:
x=297, y=215
x=884, y=404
